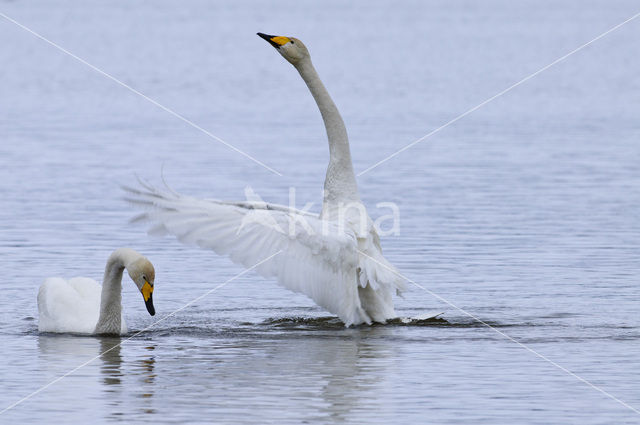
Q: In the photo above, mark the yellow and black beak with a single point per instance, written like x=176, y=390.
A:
x=147, y=294
x=275, y=40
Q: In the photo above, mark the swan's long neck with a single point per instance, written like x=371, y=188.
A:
x=340, y=182
x=110, y=320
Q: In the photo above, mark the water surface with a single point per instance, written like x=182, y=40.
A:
x=523, y=214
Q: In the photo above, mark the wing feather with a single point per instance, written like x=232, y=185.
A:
x=318, y=259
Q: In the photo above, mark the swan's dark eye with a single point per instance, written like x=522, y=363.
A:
x=293, y=42
x=144, y=277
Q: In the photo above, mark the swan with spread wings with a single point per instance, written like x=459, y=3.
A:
x=334, y=258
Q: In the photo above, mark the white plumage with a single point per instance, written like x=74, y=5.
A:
x=70, y=306
x=81, y=305
x=334, y=258
x=312, y=256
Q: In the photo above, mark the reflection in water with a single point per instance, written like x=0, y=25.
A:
x=320, y=374
x=112, y=375
x=346, y=386
x=118, y=384
x=147, y=367
x=111, y=360
x=70, y=347
x=116, y=379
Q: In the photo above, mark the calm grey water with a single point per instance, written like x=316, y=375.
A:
x=524, y=213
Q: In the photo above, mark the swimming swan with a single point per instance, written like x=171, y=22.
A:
x=334, y=258
x=80, y=305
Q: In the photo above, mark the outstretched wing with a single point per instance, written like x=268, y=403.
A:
x=310, y=256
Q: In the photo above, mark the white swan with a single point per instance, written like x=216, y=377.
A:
x=80, y=305
x=334, y=258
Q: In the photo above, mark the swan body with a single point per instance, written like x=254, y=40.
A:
x=335, y=257
x=81, y=305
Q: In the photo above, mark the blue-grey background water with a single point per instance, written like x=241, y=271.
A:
x=524, y=213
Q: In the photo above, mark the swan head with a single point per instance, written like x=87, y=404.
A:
x=143, y=274
x=290, y=48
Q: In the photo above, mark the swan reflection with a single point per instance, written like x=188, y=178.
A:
x=124, y=385
x=111, y=360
